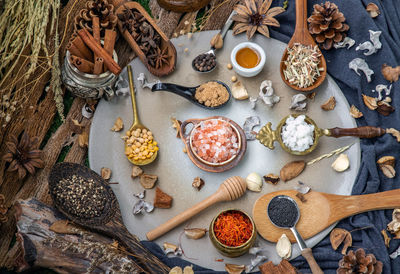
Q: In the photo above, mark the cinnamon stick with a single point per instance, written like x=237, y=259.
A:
x=82, y=64
x=98, y=66
x=109, y=42
x=97, y=49
x=96, y=32
x=73, y=50
x=87, y=54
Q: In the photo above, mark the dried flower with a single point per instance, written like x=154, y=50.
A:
x=394, y=132
x=390, y=73
x=255, y=15
x=329, y=104
x=370, y=102
x=118, y=125
x=22, y=156
x=386, y=164
x=339, y=236
x=355, y=113
x=373, y=10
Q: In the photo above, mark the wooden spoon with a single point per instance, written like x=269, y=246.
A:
x=320, y=210
x=109, y=221
x=136, y=122
x=231, y=189
x=302, y=35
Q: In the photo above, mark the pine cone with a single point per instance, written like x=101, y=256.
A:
x=3, y=209
x=326, y=24
x=359, y=262
x=99, y=8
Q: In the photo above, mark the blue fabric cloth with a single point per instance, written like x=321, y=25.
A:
x=370, y=179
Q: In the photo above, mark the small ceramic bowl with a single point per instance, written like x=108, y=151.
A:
x=230, y=251
x=248, y=72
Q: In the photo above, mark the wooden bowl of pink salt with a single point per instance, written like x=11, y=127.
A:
x=215, y=141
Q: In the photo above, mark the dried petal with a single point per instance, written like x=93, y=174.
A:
x=373, y=10
x=292, y=170
x=175, y=270
x=217, y=42
x=370, y=102
x=388, y=171
x=198, y=183
x=176, y=124
x=195, y=233
x=394, y=132
x=394, y=226
x=148, y=181
x=355, y=113
x=118, y=125
x=384, y=108
x=83, y=139
x=105, y=173
x=386, y=238
x=338, y=236
x=386, y=160
x=386, y=164
x=188, y=270
x=234, y=268
x=390, y=73
x=136, y=171
x=329, y=104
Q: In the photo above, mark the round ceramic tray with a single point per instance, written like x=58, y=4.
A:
x=176, y=171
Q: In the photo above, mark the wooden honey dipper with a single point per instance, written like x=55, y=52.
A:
x=231, y=189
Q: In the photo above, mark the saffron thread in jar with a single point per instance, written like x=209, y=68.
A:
x=247, y=58
x=233, y=228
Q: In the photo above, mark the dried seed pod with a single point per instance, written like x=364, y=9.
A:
x=136, y=171
x=234, y=268
x=370, y=102
x=105, y=173
x=386, y=164
x=292, y=170
x=195, y=233
x=390, y=73
x=284, y=247
x=341, y=163
x=355, y=113
x=148, y=181
x=118, y=125
x=329, y=104
x=373, y=10
x=198, y=183
x=384, y=108
x=394, y=132
x=271, y=178
x=217, y=42
x=338, y=236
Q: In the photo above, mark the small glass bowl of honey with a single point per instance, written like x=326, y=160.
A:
x=248, y=59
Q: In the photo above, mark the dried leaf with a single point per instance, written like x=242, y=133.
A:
x=284, y=247
x=292, y=170
x=355, y=113
x=370, y=102
x=329, y=104
x=105, y=173
x=195, y=233
x=118, y=125
x=64, y=227
x=386, y=238
x=83, y=139
x=338, y=236
x=395, y=133
x=234, y=268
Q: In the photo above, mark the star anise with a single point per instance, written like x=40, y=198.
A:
x=159, y=58
x=22, y=156
x=255, y=15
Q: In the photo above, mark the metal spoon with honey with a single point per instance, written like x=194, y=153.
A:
x=267, y=136
x=136, y=122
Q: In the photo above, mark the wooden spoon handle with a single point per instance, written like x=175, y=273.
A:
x=362, y=132
x=307, y=254
x=345, y=206
x=184, y=216
x=301, y=15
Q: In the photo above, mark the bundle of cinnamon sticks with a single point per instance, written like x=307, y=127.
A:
x=87, y=53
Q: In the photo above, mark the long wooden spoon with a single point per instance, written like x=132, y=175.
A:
x=320, y=210
x=231, y=189
x=109, y=221
x=302, y=35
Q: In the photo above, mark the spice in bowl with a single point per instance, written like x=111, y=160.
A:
x=215, y=141
x=297, y=134
x=140, y=144
x=211, y=94
x=282, y=212
x=302, y=65
x=247, y=57
x=205, y=62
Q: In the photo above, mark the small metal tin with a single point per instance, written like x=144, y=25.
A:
x=88, y=86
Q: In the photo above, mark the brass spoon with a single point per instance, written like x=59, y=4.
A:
x=136, y=121
x=302, y=35
x=267, y=136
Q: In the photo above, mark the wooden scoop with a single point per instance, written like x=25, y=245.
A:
x=302, y=35
x=320, y=210
x=231, y=189
x=109, y=221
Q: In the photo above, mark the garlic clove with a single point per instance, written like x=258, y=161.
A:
x=341, y=163
x=284, y=247
x=254, y=182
